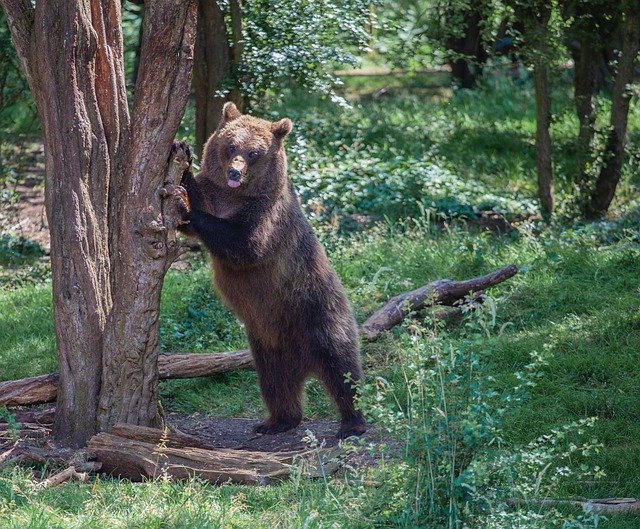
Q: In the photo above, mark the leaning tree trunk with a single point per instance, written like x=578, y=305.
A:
x=543, y=138
x=103, y=175
x=605, y=186
x=212, y=66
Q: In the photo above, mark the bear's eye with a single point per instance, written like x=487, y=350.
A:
x=232, y=148
x=253, y=155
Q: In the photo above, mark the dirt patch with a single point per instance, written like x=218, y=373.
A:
x=25, y=215
x=237, y=433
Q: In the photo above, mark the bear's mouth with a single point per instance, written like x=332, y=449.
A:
x=233, y=183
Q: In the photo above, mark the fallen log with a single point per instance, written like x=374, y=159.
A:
x=600, y=506
x=29, y=390
x=441, y=292
x=202, y=365
x=137, y=460
x=42, y=389
x=137, y=452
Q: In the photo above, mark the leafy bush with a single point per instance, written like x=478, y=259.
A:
x=458, y=470
x=301, y=42
x=400, y=187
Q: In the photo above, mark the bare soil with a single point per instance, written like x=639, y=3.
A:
x=237, y=433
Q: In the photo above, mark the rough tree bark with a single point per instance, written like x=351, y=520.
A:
x=212, y=66
x=142, y=245
x=607, y=181
x=104, y=170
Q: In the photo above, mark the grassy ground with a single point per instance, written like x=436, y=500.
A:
x=575, y=300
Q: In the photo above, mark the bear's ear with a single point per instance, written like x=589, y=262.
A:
x=281, y=128
x=230, y=112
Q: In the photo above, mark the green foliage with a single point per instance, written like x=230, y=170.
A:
x=458, y=469
x=21, y=262
x=17, y=109
x=400, y=187
x=301, y=42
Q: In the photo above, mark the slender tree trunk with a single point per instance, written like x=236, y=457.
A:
x=586, y=61
x=212, y=66
x=465, y=70
x=543, y=138
x=236, y=52
x=605, y=186
x=103, y=173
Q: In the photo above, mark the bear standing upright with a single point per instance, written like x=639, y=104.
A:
x=271, y=270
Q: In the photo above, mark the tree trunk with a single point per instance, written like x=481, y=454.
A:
x=543, y=138
x=466, y=69
x=586, y=60
x=212, y=66
x=103, y=174
x=237, y=48
x=605, y=186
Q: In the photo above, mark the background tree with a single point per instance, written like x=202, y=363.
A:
x=105, y=168
x=540, y=45
x=249, y=50
x=607, y=180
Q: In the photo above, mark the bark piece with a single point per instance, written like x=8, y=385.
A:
x=441, y=292
x=24, y=431
x=160, y=437
x=37, y=417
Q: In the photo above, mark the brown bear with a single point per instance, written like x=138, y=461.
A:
x=271, y=270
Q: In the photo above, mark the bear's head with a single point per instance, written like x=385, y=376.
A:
x=246, y=154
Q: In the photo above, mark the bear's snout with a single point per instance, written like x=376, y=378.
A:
x=234, y=174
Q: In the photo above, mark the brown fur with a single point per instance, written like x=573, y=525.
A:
x=272, y=272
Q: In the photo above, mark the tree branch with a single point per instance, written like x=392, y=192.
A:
x=441, y=292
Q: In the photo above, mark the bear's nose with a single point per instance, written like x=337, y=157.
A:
x=234, y=174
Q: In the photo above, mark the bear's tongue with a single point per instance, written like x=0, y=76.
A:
x=233, y=183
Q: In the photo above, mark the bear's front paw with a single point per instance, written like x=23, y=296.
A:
x=182, y=149
x=178, y=195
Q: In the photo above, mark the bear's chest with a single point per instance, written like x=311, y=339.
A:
x=224, y=207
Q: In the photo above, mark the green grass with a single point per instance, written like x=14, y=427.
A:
x=575, y=298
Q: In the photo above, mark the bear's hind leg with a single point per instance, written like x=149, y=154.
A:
x=332, y=369
x=281, y=380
